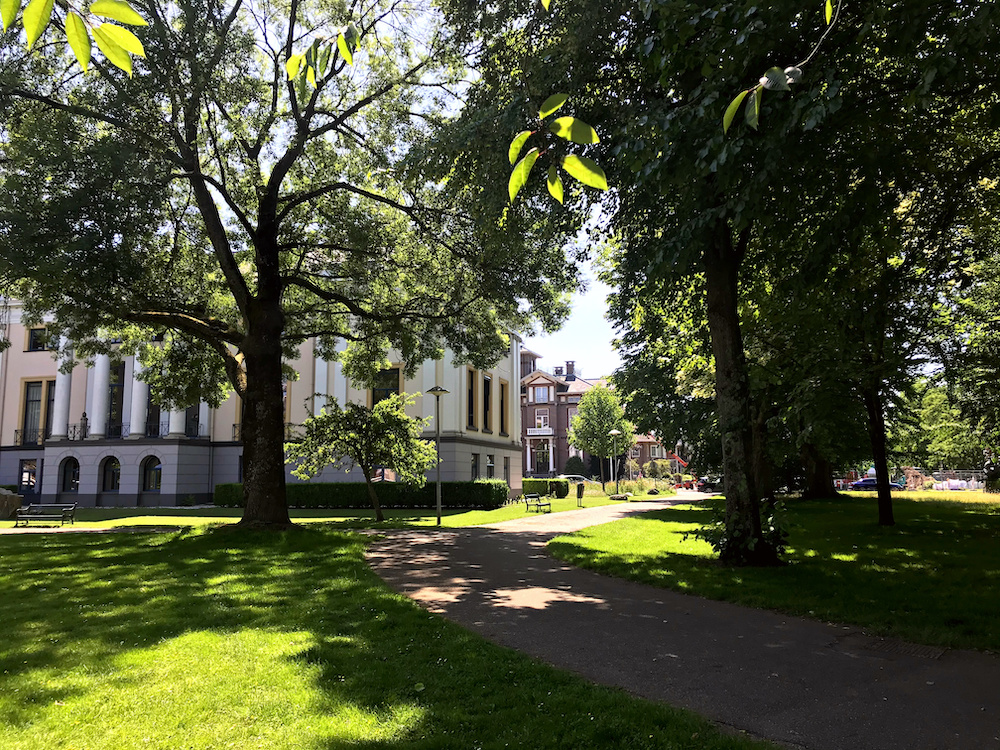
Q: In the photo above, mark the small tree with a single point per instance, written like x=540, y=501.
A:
x=600, y=412
x=367, y=438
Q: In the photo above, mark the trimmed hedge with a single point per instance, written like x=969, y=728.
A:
x=483, y=494
x=557, y=487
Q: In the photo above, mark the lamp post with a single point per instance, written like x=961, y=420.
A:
x=614, y=453
x=438, y=392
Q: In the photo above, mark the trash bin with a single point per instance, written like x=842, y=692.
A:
x=579, y=494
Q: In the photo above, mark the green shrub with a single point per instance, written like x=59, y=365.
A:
x=557, y=487
x=993, y=485
x=11, y=487
x=482, y=493
x=575, y=465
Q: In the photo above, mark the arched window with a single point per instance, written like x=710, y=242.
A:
x=151, y=471
x=111, y=474
x=69, y=476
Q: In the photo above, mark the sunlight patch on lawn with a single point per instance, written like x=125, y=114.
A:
x=204, y=689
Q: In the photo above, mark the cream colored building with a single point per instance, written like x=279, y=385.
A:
x=95, y=437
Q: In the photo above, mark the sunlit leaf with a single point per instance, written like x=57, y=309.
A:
x=774, y=79
x=551, y=104
x=293, y=65
x=113, y=51
x=520, y=174
x=311, y=76
x=124, y=38
x=573, y=129
x=79, y=39
x=117, y=10
x=546, y=4
x=324, y=58
x=829, y=11
x=36, y=18
x=554, y=184
x=753, y=107
x=345, y=49
x=517, y=144
x=586, y=171
x=8, y=11
x=734, y=105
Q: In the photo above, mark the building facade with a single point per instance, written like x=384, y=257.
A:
x=94, y=436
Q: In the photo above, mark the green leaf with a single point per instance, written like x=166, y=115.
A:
x=586, y=171
x=574, y=130
x=551, y=104
x=36, y=18
x=520, y=174
x=734, y=105
x=775, y=79
x=117, y=10
x=554, y=184
x=753, y=107
x=8, y=11
x=311, y=76
x=829, y=11
x=79, y=39
x=324, y=58
x=517, y=144
x=124, y=38
x=345, y=49
x=113, y=51
x=293, y=65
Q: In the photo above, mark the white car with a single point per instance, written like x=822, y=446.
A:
x=573, y=478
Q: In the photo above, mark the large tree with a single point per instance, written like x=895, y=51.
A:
x=275, y=172
x=601, y=413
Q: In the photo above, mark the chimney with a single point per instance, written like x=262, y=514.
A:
x=570, y=367
x=558, y=372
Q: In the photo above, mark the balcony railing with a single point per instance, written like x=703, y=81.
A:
x=540, y=431
x=29, y=437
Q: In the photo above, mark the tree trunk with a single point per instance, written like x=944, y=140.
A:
x=819, y=479
x=745, y=544
x=370, y=486
x=876, y=434
x=263, y=428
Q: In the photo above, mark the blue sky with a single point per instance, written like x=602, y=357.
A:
x=584, y=339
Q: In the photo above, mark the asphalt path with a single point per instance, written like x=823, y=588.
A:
x=798, y=682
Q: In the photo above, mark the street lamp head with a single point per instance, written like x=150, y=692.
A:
x=615, y=433
x=438, y=391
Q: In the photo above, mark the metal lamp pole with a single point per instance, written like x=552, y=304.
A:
x=614, y=451
x=438, y=392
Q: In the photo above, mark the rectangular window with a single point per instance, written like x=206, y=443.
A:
x=541, y=394
x=654, y=451
x=475, y=466
x=471, y=400
x=490, y=468
x=541, y=417
x=386, y=385
x=506, y=469
x=636, y=450
x=116, y=401
x=50, y=400
x=27, y=470
x=36, y=340
x=192, y=421
x=504, y=393
x=31, y=422
x=487, y=398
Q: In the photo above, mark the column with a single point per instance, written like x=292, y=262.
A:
x=139, y=406
x=527, y=456
x=176, y=428
x=60, y=405
x=552, y=455
x=321, y=370
x=99, y=412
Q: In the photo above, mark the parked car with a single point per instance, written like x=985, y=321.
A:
x=573, y=478
x=869, y=483
x=709, y=484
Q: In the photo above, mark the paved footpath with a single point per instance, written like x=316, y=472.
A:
x=798, y=682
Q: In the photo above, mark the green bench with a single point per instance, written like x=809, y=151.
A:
x=46, y=512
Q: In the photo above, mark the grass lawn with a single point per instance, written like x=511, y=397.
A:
x=933, y=578
x=353, y=518
x=214, y=638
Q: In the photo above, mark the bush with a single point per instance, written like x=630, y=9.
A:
x=575, y=465
x=557, y=487
x=484, y=494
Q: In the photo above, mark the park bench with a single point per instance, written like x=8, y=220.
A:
x=534, y=501
x=50, y=512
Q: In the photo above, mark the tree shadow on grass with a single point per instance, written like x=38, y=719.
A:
x=911, y=580
x=282, y=639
